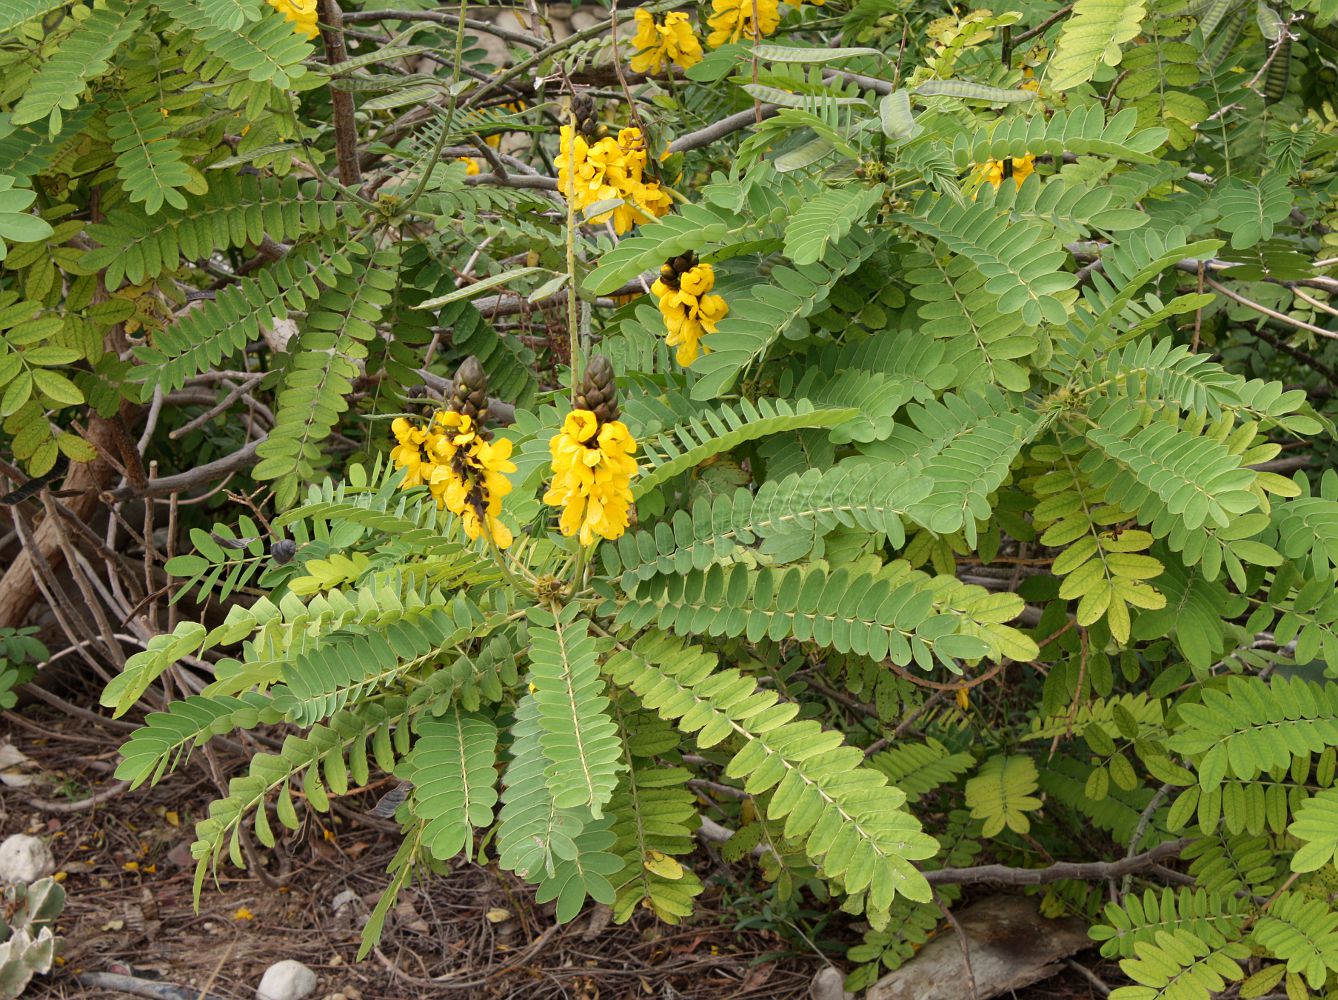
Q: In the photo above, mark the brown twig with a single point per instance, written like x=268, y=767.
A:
x=112, y=791
x=1264, y=310
x=1097, y=983
x=906, y=675
x=443, y=17
x=723, y=127
x=966, y=946
x=201, y=475
x=136, y=987
x=1083, y=871
x=1044, y=26
x=341, y=101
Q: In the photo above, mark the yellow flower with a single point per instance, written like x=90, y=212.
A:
x=660, y=45
x=689, y=312
x=991, y=171
x=471, y=165
x=580, y=426
x=592, y=474
x=301, y=12
x=732, y=20
x=410, y=452
x=464, y=473
x=608, y=170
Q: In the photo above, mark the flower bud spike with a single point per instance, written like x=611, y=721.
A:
x=469, y=394
x=598, y=392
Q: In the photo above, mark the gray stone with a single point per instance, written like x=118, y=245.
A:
x=25, y=859
x=286, y=980
x=829, y=984
x=346, y=899
x=586, y=18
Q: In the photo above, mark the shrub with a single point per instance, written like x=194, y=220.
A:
x=962, y=519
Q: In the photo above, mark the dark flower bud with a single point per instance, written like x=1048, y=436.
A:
x=469, y=394
x=597, y=392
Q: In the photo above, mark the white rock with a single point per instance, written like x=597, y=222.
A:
x=347, y=898
x=829, y=984
x=583, y=18
x=25, y=859
x=286, y=980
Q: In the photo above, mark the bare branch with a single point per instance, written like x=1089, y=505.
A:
x=341, y=101
x=1082, y=871
x=716, y=130
x=442, y=17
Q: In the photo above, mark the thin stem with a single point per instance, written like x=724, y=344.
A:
x=452, y=101
x=1031, y=33
x=582, y=560
x=1271, y=313
x=573, y=318
x=500, y=559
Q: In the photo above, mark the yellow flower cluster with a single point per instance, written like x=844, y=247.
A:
x=689, y=311
x=464, y=473
x=733, y=20
x=301, y=12
x=741, y=20
x=471, y=165
x=592, y=475
x=610, y=168
x=662, y=44
x=991, y=171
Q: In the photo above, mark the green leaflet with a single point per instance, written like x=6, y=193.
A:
x=452, y=770
x=810, y=503
x=533, y=835
x=578, y=738
x=1316, y=825
x=1249, y=726
x=777, y=308
x=851, y=822
x=237, y=210
x=166, y=738
x=84, y=54
x=223, y=326
x=1176, y=964
x=341, y=322
x=873, y=614
x=715, y=431
x=1000, y=794
x=1092, y=37
x=827, y=219
x=1019, y=264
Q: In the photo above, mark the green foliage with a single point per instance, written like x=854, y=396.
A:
x=320, y=372
x=852, y=820
x=20, y=654
x=1139, y=919
x=973, y=534
x=1176, y=965
x=715, y=431
x=237, y=211
x=1000, y=794
x=1092, y=37
x=1013, y=257
x=452, y=770
x=28, y=944
x=579, y=739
